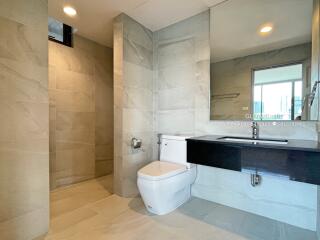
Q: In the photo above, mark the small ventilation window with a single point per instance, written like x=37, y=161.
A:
x=59, y=32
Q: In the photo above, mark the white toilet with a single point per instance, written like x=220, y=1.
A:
x=166, y=184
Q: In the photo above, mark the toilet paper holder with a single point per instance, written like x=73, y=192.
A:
x=136, y=143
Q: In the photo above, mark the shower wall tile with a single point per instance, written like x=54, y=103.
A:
x=81, y=111
x=74, y=162
x=29, y=13
x=73, y=81
x=104, y=114
x=21, y=43
x=133, y=101
x=24, y=121
x=75, y=61
x=25, y=82
x=74, y=101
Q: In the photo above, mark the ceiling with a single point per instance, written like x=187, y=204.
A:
x=95, y=17
x=235, y=26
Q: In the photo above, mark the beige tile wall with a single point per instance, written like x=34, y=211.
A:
x=133, y=100
x=81, y=111
x=24, y=121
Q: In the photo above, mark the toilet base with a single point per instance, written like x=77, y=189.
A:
x=180, y=198
x=164, y=196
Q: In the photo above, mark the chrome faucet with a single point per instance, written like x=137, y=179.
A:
x=255, y=130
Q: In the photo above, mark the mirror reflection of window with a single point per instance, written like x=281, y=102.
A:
x=248, y=37
x=278, y=93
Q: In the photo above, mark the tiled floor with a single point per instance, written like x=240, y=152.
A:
x=89, y=211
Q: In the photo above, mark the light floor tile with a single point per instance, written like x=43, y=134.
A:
x=89, y=211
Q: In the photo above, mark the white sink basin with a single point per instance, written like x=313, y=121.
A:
x=254, y=141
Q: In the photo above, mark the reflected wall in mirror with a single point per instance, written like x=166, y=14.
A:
x=261, y=60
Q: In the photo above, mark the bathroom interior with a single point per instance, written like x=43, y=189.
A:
x=159, y=119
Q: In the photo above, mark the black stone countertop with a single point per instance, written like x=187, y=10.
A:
x=293, y=144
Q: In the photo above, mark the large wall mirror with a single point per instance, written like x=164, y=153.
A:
x=261, y=61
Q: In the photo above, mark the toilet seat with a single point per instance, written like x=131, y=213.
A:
x=159, y=170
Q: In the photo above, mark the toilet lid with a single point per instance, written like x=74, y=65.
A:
x=160, y=169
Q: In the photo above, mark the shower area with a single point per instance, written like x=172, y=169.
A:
x=81, y=110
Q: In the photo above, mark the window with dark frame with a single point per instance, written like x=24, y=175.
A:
x=60, y=32
x=278, y=92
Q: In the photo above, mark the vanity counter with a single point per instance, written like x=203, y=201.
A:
x=298, y=160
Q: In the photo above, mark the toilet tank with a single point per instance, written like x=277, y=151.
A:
x=174, y=149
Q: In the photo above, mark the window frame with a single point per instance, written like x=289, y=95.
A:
x=67, y=36
x=253, y=70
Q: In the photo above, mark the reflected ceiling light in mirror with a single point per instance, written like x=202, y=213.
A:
x=70, y=11
x=265, y=29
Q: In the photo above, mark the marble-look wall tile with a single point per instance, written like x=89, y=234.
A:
x=73, y=81
x=173, y=53
x=81, y=115
x=75, y=61
x=176, y=76
x=74, y=162
x=135, y=120
x=135, y=32
x=219, y=186
x=179, y=51
x=176, y=122
x=29, y=13
x=133, y=101
x=24, y=120
x=25, y=83
x=181, y=98
x=137, y=54
x=196, y=27
x=104, y=113
x=19, y=43
x=140, y=77
x=138, y=98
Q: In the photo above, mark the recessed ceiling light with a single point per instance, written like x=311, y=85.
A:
x=70, y=11
x=266, y=29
